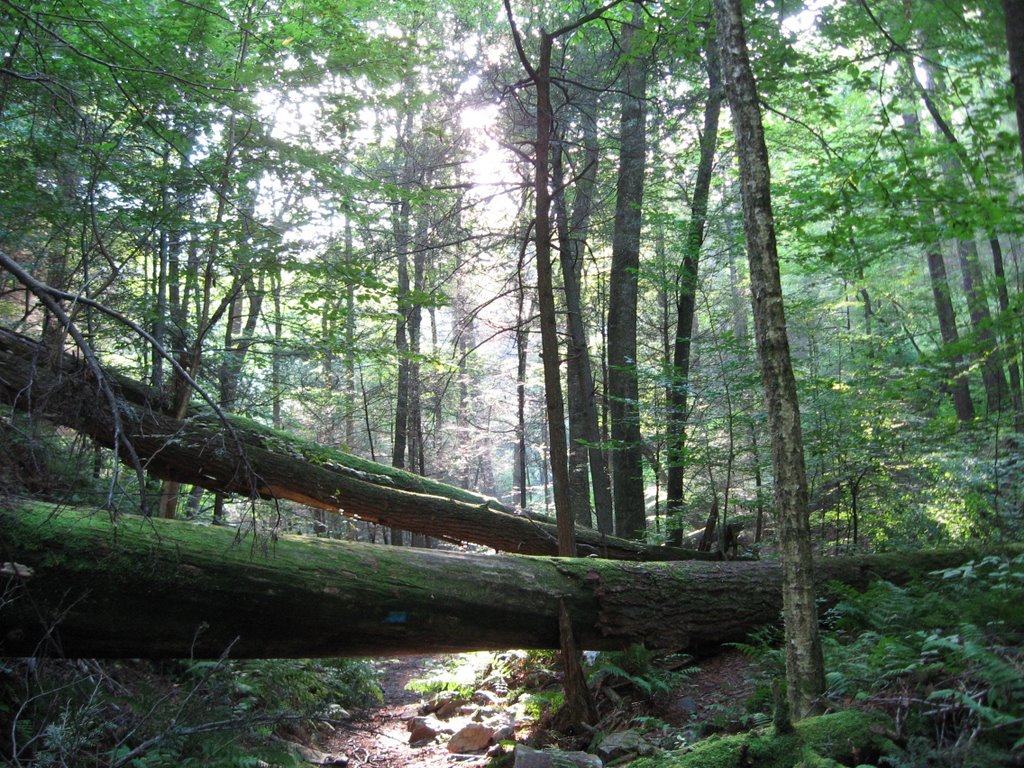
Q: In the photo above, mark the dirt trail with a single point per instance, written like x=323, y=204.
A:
x=379, y=738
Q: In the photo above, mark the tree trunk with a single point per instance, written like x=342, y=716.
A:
x=400, y=225
x=81, y=587
x=954, y=166
x=623, y=387
x=586, y=457
x=523, y=321
x=805, y=671
x=558, y=451
x=1009, y=332
x=686, y=296
x=1014, y=11
x=942, y=299
x=576, y=348
x=243, y=457
x=962, y=403
x=992, y=376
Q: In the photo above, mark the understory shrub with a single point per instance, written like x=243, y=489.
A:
x=223, y=714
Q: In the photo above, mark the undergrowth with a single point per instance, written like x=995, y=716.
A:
x=221, y=714
x=941, y=657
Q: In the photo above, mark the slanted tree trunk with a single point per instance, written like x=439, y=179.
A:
x=80, y=587
x=243, y=457
x=623, y=387
x=805, y=671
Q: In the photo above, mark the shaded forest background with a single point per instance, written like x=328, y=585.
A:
x=322, y=212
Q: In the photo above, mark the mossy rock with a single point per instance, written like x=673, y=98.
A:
x=842, y=738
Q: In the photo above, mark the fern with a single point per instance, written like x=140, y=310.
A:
x=641, y=668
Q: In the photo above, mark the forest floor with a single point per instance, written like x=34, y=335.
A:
x=379, y=737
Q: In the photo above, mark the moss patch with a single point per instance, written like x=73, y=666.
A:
x=841, y=738
x=355, y=467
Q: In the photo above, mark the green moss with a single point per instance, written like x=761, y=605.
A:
x=358, y=468
x=841, y=738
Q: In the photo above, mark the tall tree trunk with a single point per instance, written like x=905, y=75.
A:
x=276, y=373
x=1009, y=332
x=956, y=166
x=349, y=358
x=415, y=322
x=523, y=322
x=582, y=390
x=962, y=403
x=557, y=442
x=1014, y=12
x=400, y=225
x=686, y=297
x=992, y=375
x=942, y=299
x=576, y=350
x=805, y=672
x=417, y=459
x=623, y=386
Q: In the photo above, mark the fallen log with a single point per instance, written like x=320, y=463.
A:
x=241, y=456
x=77, y=585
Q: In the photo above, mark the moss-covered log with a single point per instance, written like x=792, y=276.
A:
x=75, y=584
x=244, y=457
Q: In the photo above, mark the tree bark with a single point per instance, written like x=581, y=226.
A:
x=623, y=387
x=79, y=586
x=555, y=405
x=585, y=451
x=576, y=349
x=992, y=376
x=805, y=671
x=962, y=403
x=954, y=166
x=246, y=458
x=959, y=385
x=1014, y=11
x=686, y=295
x=1009, y=332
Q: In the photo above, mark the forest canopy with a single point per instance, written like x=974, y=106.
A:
x=323, y=215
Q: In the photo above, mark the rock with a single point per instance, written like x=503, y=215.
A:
x=526, y=757
x=505, y=733
x=314, y=756
x=421, y=734
x=686, y=705
x=484, y=713
x=485, y=697
x=475, y=737
x=616, y=745
x=450, y=708
x=337, y=712
x=428, y=722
